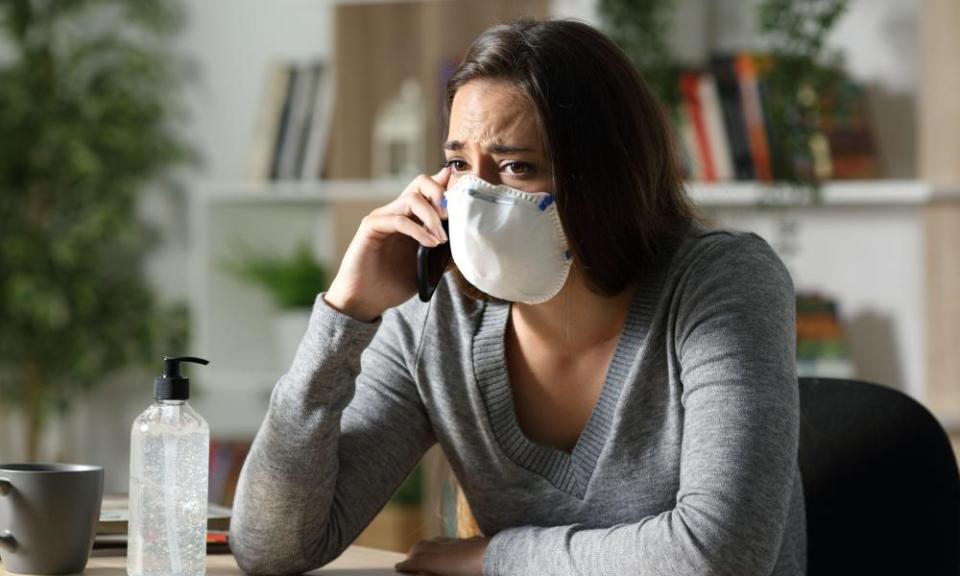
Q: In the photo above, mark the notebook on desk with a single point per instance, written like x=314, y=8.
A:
x=114, y=514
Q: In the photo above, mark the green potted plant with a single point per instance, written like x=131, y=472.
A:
x=292, y=283
x=796, y=33
x=86, y=103
x=642, y=28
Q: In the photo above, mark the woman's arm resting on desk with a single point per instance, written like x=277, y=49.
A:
x=319, y=470
x=735, y=344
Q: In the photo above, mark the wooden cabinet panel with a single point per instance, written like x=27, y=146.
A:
x=939, y=161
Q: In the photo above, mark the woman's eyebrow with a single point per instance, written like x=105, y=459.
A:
x=504, y=149
x=493, y=148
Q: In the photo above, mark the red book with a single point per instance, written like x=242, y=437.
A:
x=689, y=84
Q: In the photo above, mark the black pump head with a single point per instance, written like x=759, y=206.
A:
x=173, y=386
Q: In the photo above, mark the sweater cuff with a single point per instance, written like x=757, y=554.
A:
x=496, y=558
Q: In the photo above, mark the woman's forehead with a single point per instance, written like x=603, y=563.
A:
x=492, y=114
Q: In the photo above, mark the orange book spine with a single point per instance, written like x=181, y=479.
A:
x=753, y=114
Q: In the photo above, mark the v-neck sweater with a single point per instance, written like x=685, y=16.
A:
x=687, y=463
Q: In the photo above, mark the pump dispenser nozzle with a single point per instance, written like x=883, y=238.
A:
x=173, y=386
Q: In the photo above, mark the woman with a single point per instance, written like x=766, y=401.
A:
x=612, y=383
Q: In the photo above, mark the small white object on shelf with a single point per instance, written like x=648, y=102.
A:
x=399, y=142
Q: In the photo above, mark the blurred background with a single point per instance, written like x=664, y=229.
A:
x=183, y=178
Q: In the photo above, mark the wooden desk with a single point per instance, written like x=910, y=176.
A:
x=356, y=561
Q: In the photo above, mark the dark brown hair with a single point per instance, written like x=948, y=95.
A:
x=616, y=179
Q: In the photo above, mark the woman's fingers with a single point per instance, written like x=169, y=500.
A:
x=370, y=280
x=446, y=557
x=421, y=208
x=433, y=187
x=413, y=204
x=419, y=563
x=384, y=225
x=421, y=198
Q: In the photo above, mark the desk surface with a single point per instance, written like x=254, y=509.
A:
x=356, y=561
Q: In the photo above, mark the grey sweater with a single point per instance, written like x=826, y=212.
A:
x=687, y=465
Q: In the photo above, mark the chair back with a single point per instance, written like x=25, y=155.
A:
x=880, y=482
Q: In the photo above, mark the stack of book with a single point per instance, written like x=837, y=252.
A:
x=226, y=460
x=723, y=123
x=111, y=536
x=822, y=348
x=293, y=125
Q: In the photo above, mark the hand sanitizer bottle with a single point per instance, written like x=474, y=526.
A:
x=169, y=459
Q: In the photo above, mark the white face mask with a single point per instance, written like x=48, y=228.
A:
x=506, y=242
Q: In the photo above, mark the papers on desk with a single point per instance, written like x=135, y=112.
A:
x=114, y=514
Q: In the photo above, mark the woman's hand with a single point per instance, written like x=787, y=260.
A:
x=446, y=557
x=379, y=269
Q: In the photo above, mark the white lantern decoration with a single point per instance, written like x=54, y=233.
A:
x=398, y=134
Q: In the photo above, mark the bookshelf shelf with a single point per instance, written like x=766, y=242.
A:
x=300, y=191
x=863, y=193
x=719, y=194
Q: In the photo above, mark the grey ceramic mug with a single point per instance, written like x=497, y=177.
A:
x=48, y=516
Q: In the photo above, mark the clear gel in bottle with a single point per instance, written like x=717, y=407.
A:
x=169, y=466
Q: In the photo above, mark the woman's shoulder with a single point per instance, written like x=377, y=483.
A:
x=713, y=267
x=706, y=250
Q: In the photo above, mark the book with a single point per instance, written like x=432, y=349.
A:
x=268, y=121
x=689, y=82
x=218, y=542
x=283, y=124
x=728, y=90
x=688, y=144
x=716, y=131
x=846, y=127
x=240, y=450
x=318, y=129
x=114, y=514
x=296, y=121
x=822, y=347
x=221, y=454
x=753, y=114
x=730, y=123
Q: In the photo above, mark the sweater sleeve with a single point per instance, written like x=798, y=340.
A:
x=344, y=427
x=735, y=348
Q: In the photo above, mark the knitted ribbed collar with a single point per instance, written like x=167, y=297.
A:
x=570, y=472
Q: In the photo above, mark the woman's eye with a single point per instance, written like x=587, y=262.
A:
x=455, y=165
x=517, y=168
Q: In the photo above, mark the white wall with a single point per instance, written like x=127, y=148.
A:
x=232, y=42
x=868, y=258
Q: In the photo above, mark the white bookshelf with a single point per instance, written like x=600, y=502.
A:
x=300, y=191
x=863, y=193
x=718, y=194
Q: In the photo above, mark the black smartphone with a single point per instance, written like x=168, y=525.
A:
x=431, y=264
